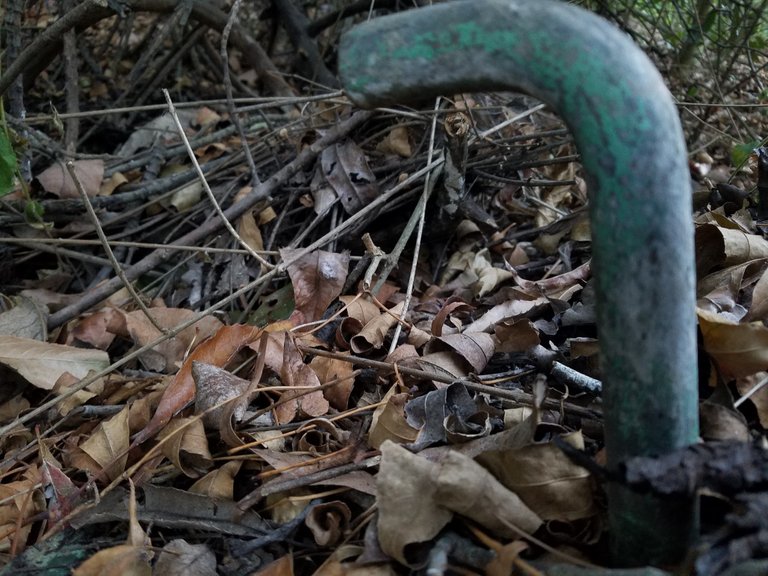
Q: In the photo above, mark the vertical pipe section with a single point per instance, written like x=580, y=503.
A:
x=627, y=130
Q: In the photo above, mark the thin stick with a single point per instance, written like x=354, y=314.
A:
x=208, y=228
x=191, y=153
x=107, y=248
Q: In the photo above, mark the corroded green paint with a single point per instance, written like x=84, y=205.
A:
x=458, y=37
x=627, y=130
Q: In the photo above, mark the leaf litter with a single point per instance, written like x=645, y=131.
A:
x=351, y=402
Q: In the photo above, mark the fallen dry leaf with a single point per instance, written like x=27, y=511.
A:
x=317, y=280
x=180, y=558
x=280, y=567
x=390, y=423
x=328, y=522
x=20, y=500
x=418, y=497
x=371, y=337
x=217, y=350
x=294, y=373
x=166, y=356
x=346, y=169
x=215, y=388
x=27, y=319
x=93, y=329
x=739, y=349
x=108, y=444
x=396, y=142
x=57, y=181
x=185, y=444
x=334, y=369
x=718, y=246
x=132, y=558
x=545, y=479
x=42, y=363
x=218, y=484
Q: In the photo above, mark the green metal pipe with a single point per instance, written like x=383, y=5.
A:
x=628, y=133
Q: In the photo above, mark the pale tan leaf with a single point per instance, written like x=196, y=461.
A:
x=187, y=446
x=759, y=308
x=738, y=349
x=513, y=308
x=360, y=309
x=339, y=564
x=418, y=497
x=249, y=231
x=371, y=337
x=389, y=421
x=215, y=388
x=112, y=183
x=476, y=348
x=20, y=500
x=12, y=408
x=281, y=567
x=27, y=319
x=334, y=369
x=218, y=484
x=328, y=521
x=557, y=286
x=93, y=329
x=42, y=363
x=441, y=364
x=65, y=385
x=187, y=197
x=407, y=503
x=545, y=479
x=516, y=335
x=396, y=142
x=168, y=355
x=123, y=559
x=722, y=423
x=217, y=350
x=180, y=558
x=108, y=444
x=136, y=535
x=466, y=488
x=758, y=398
x=489, y=278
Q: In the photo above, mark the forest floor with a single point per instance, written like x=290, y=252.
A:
x=249, y=328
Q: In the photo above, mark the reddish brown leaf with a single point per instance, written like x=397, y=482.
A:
x=56, y=179
x=93, y=329
x=217, y=350
x=166, y=356
x=330, y=369
x=295, y=373
x=317, y=281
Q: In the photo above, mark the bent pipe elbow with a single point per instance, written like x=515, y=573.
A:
x=627, y=130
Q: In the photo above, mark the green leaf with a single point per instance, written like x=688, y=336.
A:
x=7, y=164
x=277, y=306
x=758, y=41
x=34, y=211
x=741, y=152
x=709, y=20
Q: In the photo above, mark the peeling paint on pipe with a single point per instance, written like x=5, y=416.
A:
x=627, y=130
